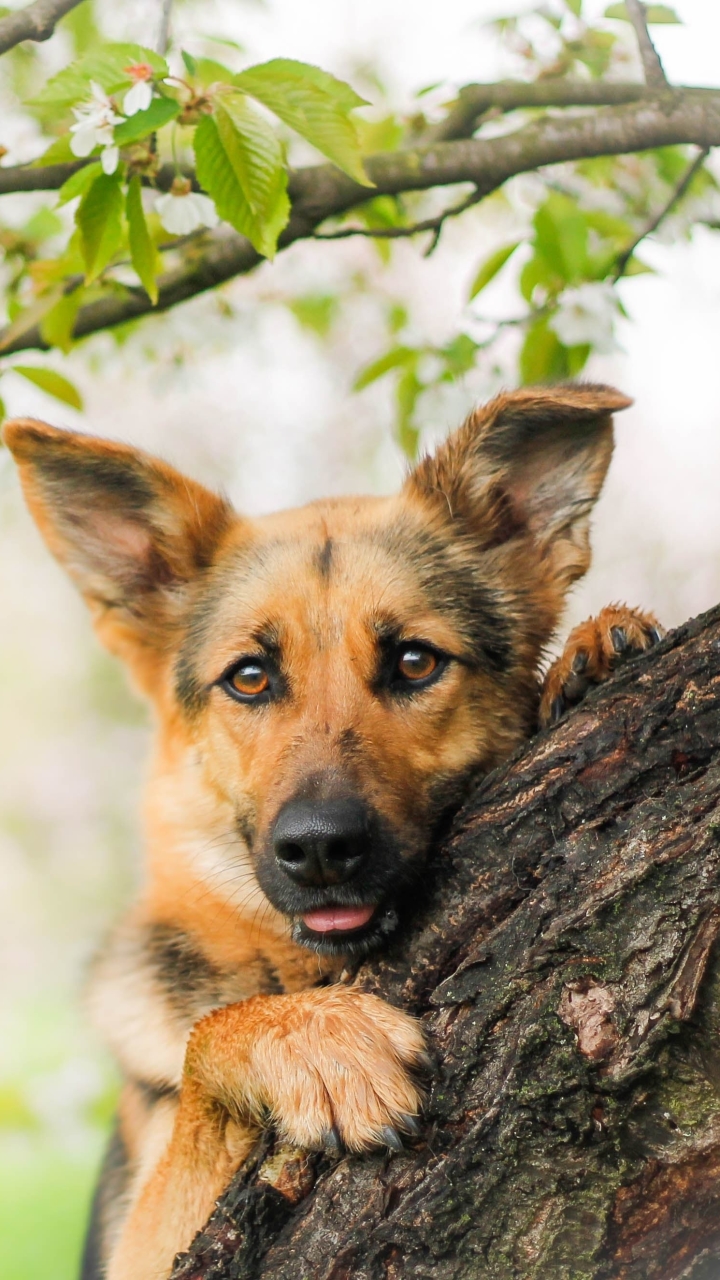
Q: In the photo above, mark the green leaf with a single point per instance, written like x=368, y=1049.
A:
x=314, y=104
x=52, y=383
x=78, y=183
x=409, y=388
x=490, y=268
x=659, y=13
x=543, y=357
x=459, y=356
x=208, y=71
x=396, y=358
x=237, y=168
x=160, y=112
x=56, y=326
x=106, y=66
x=189, y=61
x=561, y=237
x=3, y=416
x=316, y=311
x=99, y=221
x=142, y=250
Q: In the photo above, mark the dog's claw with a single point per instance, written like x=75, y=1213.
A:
x=425, y=1062
x=655, y=635
x=580, y=661
x=391, y=1138
x=619, y=639
x=332, y=1141
x=411, y=1125
x=557, y=709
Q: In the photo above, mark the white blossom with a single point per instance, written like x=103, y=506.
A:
x=95, y=121
x=183, y=212
x=586, y=314
x=138, y=98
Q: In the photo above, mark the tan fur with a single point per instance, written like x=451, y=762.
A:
x=208, y=1000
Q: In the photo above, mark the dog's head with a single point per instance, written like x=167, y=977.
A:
x=327, y=680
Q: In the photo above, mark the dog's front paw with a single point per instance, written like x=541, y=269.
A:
x=592, y=651
x=334, y=1067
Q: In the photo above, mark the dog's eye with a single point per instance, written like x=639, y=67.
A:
x=416, y=663
x=248, y=679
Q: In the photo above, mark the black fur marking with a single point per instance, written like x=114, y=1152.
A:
x=189, y=980
x=192, y=985
x=450, y=573
x=91, y=481
x=109, y=1192
x=323, y=559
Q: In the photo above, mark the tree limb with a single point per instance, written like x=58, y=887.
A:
x=655, y=77
x=654, y=223
x=320, y=192
x=37, y=22
x=476, y=100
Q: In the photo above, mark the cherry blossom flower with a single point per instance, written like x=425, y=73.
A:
x=183, y=210
x=140, y=96
x=95, y=121
x=586, y=314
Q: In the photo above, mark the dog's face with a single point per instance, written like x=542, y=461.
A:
x=327, y=680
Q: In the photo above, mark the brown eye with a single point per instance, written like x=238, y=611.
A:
x=249, y=679
x=416, y=663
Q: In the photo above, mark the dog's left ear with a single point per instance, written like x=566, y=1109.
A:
x=527, y=469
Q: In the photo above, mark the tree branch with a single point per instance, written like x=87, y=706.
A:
x=655, y=77
x=474, y=100
x=435, y=225
x=654, y=223
x=322, y=191
x=37, y=22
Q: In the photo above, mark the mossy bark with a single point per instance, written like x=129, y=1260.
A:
x=567, y=974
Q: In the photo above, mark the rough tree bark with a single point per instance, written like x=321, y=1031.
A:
x=566, y=972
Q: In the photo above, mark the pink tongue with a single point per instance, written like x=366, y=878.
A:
x=330, y=919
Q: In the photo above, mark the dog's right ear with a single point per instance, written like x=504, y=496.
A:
x=129, y=529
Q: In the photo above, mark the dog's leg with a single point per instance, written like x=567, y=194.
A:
x=592, y=651
x=332, y=1066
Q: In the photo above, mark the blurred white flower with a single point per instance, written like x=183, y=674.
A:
x=586, y=314
x=95, y=121
x=183, y=210
x=140, y=96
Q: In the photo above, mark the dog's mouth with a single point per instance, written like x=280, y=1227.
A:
x=349, y=930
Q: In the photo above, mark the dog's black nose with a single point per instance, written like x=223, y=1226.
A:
x=321, y=842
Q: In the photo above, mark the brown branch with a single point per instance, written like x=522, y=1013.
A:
x=473, y=101
x=655, y=77
x=322, y=191
x=477, y=100
x=435, y=225
x=37, y=22
x=654, y=223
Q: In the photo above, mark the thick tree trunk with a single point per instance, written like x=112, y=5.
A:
x=567, y=976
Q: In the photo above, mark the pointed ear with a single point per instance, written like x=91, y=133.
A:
x=130, y=531
x=527, y=468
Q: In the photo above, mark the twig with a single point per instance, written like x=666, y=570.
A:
x=400, y=233
x=37, y=22
x=476, y=100
x=654, y=223
x=163, y=35
x=655, y=77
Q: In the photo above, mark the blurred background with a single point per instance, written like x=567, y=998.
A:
x=249, y=394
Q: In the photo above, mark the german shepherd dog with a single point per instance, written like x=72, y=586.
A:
x=326, y=682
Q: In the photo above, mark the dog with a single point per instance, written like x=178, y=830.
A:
x=327, y=683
